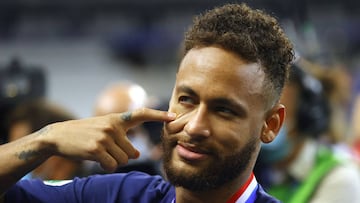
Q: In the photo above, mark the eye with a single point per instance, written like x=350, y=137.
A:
x=225, y=111
x=186, y=100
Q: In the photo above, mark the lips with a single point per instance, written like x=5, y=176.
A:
x=190, y=152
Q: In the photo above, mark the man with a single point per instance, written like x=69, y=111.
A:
x=225, y=100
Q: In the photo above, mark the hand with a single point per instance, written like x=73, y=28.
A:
x=102, y=139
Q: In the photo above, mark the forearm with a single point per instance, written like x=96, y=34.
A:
x=102, y=139
x=20, y=157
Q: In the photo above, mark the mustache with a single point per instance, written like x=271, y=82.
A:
x=200, y=145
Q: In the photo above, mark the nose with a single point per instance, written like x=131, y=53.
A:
x=198, y=123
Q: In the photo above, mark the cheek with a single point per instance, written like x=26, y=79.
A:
x=174, y=107
x=179, y=123
x=172, y=103
x=235, y=136
x=232, y=143
x=183, y=116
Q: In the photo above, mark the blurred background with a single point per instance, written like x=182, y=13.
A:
x=68, y=51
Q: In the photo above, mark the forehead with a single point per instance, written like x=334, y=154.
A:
x=220, y=71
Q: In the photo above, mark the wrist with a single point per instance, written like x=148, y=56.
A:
x=45, y=145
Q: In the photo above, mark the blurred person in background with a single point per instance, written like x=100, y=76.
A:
x=19, y=82
x=355, y=125
x=32, y=115
x=355, y=116
x=127, y=96
x=304, y=164
x=336, y=82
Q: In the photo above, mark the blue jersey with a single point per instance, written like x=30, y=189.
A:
x=133, y=187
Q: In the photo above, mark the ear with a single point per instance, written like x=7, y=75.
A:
x=272, y=124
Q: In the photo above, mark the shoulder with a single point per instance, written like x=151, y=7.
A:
x=345, y=174
x=96, y=188
x=342, y=184
x=136, y=178
x=118, y=184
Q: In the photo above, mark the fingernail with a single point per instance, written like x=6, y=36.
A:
x=137, y=154
x=171, y=115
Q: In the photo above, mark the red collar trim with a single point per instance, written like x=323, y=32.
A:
x=243, y=188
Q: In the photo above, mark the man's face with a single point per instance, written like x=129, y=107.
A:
x=216, y=136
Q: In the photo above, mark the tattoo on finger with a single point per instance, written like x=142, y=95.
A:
x=126, y=116
x=43, y=130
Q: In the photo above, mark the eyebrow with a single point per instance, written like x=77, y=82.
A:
x=240, y=108
x=187, y=90
x=225, y=101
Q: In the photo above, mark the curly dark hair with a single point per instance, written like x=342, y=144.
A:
x=252, y=34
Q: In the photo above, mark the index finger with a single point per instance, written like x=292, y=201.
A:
x=136, y=117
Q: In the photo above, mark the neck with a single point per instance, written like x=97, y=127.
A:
x=215, y=195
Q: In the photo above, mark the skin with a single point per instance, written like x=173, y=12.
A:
x=216, y=121
x=102, y=139
x=290, y=99
x=19, y=130
x=54, y=168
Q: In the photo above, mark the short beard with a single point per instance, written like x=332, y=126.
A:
x=215, y=175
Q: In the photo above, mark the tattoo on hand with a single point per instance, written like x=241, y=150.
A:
x=126, y=116
x=43, y=130
x=26, y=155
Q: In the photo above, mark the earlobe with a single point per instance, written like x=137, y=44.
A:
x=273, y=123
